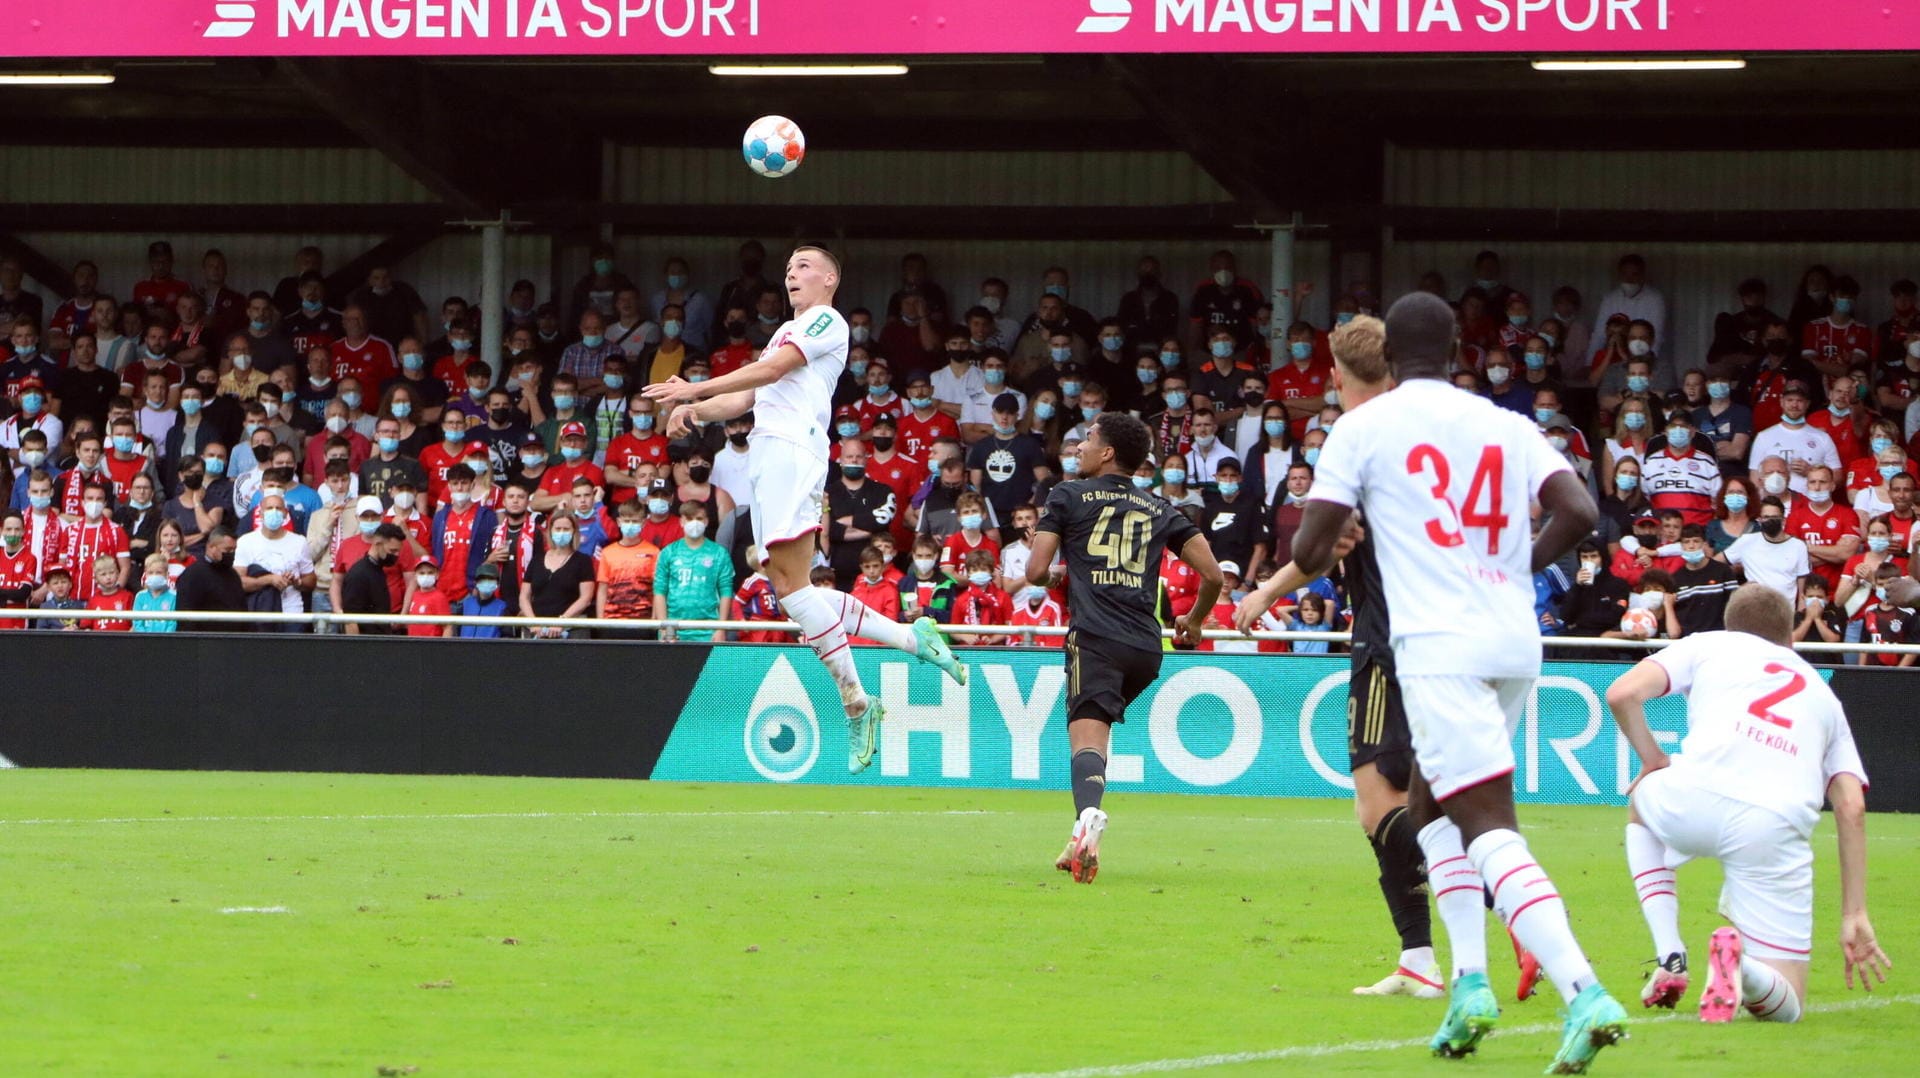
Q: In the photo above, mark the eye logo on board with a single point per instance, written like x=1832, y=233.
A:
x=782, y=735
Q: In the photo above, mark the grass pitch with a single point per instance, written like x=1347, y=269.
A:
x=208, y=924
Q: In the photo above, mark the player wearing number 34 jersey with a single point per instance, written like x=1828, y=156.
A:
x=1445, y=479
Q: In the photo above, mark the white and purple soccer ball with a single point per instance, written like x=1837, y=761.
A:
x=773, y=146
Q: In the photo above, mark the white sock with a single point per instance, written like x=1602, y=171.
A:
x=819, y=624
x=859, y=619
x=1659, y=895
x=1526, y=900
x=1457, y=890
x=1769, y=997
x=1419, y=960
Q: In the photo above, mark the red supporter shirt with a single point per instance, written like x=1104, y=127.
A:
x=1902, y=531
x=160, y=293
x=75, y=315
x=371, y=361
x=1825, y=342
x=658, y=532
x=755, y=600
x=67, y=491
x=732, y=357
x=953, y=552
x=1047, y=615
x=918, y=435
x=559, y=478
x=121, y=599
x=1822, y=529
x=869, y=410
x=452, y=372
x=22, y=570
x=1290, y=382
x=83, y=543
x=456, y=543
x=903, y=476
x=435, y=460
x=982, y=606
x=122, y=473
x=353, y=548
x=418, y=527
x=1182, y=581
x=133, y=377
x=1846, y=437
x=434, y=602
x=882, y=598
x=628, y=452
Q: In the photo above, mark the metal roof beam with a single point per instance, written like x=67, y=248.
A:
x=36, y=265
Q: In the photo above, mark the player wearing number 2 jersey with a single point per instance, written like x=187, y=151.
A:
x=1766, y=743
x=1112, y=536
x=1445, y=478
x=789, y=388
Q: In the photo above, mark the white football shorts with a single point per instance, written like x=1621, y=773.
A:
x=789, y=492
x=1768, y=893
x=1462, y=727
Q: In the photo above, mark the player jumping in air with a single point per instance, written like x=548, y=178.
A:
x=1379, y=747
x=1445, y=479
x=789, y=389
x=1113, y=536
x=1766, y=743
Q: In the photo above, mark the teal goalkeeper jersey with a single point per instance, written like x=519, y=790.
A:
x=697, y=583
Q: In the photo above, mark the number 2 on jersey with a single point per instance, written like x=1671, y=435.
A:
x=1444, y=529
x=1762, y=708
x=1123, y=543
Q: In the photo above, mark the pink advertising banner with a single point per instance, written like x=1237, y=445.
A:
x=795, y=29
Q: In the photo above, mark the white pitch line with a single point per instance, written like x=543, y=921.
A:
x=256, y=909
x=498, y=816
x=1315, y=1051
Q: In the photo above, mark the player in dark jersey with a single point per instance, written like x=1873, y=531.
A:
x=1379, y=744
x=1112, y=537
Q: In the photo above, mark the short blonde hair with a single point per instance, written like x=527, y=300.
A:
x=1761, y=611
x=1360, y=347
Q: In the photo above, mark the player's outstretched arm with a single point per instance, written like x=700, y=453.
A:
x=1290, y=579
x=1040, y=559
x=1569, y=515
x=1627, y=698
x=1198, y=553
x=1857, y=942
x=762, y=372
x=1316, y=544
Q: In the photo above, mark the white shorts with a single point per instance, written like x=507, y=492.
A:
x=1462, y=727
x=1768, y=893
x=789, y=492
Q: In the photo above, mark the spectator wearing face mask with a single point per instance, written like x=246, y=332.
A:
x=1567, y=442
x=1841, y=420
x=1704, y=584
x=1764, y=387
x=1035, y=607
x=1834, y=342
x=275, y=566
x=1001, y=466
x=1174, y=485
x=1632, y=432
x=1234, y=520
x=1225, y=300
x=1885, y=622
x=1830, y=530
x=1795, y=441
x=1302, y=382
x=979, y=601
x=858, y=508
x=428, y=598
x=1817, y=618
x=1733, y=516
x=971, y=534
x=626, y=573
x=1770, y=555
x=694, y=577
x=872, y=587
x=1266, y=457
x=1680, y=476
x=926, y=423
x=1597, y=599
x=926, y=591
x=1880, y=472
x=1639, y=551
x=1209, y=453
x=1654, y=593
x=1862, y=569
x=1639, y=302
x=1503, y=390
x=1172, y=424
x=1725, y=423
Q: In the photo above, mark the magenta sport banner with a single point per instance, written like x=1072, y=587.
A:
x=791, y=29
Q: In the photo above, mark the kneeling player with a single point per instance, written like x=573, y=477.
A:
x=1113, y=536
x=1766, y=742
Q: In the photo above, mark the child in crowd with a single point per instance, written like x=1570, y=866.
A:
x=60, y=597
x=109, y=595
x=882, y=596
x=156, y=595
x=755, y=601
x=979, y=602
x=483, y=601
x=926, y=592
x=427, y=598
x=1036, y=607
x=1310, y=617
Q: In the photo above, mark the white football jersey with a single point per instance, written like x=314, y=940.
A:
x=797, y=408
x=1762, y=727
x=1445, y=478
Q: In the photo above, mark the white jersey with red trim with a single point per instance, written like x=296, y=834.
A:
x=1687, y=483
x=1453, y=473
x=797, y=408
x=1762, y=727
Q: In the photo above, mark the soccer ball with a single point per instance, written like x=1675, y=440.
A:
x=1640, y=623
x=773, y=146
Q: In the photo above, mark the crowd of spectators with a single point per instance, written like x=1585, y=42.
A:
x=190, y=446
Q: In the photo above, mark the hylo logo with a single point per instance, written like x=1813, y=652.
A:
x=234, y=18
x=1109, y=16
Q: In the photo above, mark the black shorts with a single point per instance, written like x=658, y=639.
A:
x=1103, y=678
x=1377, y=731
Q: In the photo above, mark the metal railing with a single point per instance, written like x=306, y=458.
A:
x=671, y=627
